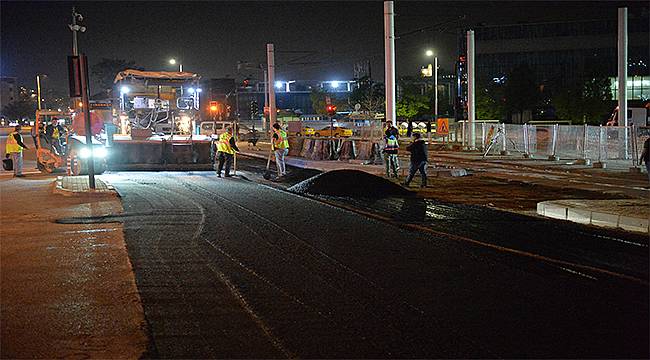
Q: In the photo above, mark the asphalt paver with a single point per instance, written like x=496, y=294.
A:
x=232, y=268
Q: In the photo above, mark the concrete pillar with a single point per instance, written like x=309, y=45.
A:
x=270, y=58
x=389, y=52
x=471, y=87
x=622, y=73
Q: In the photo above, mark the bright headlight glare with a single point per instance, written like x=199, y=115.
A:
x=101, y=152
x=85, y=153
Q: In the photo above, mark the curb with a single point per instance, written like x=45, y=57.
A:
x=562, y=211
x=59, y=189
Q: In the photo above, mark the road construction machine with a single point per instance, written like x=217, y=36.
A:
x=157, y=113
x=61, y=142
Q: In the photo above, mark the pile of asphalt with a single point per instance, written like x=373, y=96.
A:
x=349, y=183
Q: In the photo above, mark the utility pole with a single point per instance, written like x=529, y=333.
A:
x=471, y=99
x=85, y=95
x=74, y=27
x=389, y=64
x=622, y=73
x=270, y=58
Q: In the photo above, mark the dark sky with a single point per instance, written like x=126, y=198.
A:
x=210, y=37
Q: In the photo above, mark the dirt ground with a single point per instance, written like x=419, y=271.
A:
x=513, y=196
x=67, y=290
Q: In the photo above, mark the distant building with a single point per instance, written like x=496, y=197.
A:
x=559, y=54
x=292, y=95
x=8, y=91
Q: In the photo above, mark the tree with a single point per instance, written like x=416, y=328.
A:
x=104, y=72
x=23, y=107
x=370, y=95
x=588, y=102
x=318, y=101
x=489, y=101
x=520, y=91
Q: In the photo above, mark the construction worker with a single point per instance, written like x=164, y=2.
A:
x=14, y=148
x=226, y=148
x=280, y=145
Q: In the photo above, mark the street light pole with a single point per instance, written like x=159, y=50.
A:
x=75, y=48
x=389, y=55
x=38, y=90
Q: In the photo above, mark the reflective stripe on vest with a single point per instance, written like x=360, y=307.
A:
x=12, y=145
x=224, y=143
x=391, y=144
x=284, y=143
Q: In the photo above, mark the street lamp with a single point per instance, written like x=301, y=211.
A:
x=173, y=62
x=430, y=53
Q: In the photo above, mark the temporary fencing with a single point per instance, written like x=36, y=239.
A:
x=599, y=143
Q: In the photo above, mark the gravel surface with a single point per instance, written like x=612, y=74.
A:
x=349, y=183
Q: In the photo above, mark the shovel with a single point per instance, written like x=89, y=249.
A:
x=267, y=173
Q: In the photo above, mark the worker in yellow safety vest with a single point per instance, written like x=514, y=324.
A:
x=14, y=149
x=281, y=148
x=226, y=148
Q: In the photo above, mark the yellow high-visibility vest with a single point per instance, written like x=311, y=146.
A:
x=282, y=142
x=12, y=145
x=224, y=143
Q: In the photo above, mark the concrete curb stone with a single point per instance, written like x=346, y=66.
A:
x=627, y=214
x=78, y=185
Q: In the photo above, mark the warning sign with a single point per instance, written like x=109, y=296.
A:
x=442, y=128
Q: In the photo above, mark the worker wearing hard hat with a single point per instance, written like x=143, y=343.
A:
x=226, y=148
x=14, y=149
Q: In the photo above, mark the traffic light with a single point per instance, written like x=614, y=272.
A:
x=254, y=109
x=214, y=106
x=331, y=109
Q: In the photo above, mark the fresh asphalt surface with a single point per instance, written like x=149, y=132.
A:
x=232, y=268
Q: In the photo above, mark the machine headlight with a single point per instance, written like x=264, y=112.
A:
x=101, y=152
x=84, y=153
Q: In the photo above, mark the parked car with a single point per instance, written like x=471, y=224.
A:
x=306, y=131
x=336, y=131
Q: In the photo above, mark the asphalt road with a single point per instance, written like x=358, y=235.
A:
x=232, y=268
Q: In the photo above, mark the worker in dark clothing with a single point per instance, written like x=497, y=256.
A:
x=391, y=130
x=226, y=148
x=418, y=149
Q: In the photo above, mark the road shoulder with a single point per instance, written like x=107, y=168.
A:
x=68, y=289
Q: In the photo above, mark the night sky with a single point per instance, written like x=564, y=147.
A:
x=210, y=37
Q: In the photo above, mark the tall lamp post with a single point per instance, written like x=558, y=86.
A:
x=75, y=28
x=38, y=89
x=430, y=53
x=173, y=62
